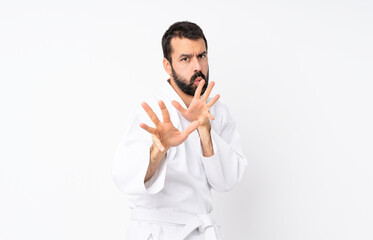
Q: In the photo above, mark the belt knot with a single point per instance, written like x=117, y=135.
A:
x=206, y=221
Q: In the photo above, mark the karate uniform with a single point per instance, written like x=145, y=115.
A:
x=176, y=202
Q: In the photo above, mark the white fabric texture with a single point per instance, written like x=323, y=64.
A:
x=184, y=226
x=183, y=181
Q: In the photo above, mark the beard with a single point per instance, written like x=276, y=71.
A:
x=190, y=88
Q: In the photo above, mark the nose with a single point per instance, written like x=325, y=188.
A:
x=196, y=65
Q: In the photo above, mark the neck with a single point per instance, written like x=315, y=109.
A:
x=187, y=99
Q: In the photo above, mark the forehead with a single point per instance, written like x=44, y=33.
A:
x=187, y=46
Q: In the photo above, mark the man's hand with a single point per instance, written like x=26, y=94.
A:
x=198, y=109
x=165, y=135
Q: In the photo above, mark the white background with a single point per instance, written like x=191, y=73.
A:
x=297, y=76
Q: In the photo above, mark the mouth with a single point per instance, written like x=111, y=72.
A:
x=198, y=80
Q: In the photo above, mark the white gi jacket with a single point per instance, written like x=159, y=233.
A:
x=183, y=181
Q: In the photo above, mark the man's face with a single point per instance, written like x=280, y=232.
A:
x=189, y=64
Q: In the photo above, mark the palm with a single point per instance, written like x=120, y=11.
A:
x=165, y=135
x=168, y=135
x=198, y=109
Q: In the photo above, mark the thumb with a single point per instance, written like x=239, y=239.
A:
x=193, y=126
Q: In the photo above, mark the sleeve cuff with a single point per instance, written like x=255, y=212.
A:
x=156, y=182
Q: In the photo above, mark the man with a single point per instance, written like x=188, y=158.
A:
x=168, y=165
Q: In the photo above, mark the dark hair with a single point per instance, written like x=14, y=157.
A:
x=183, y=29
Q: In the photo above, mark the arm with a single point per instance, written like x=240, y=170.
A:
x=206, y=142
x=222, y=158
x=156, y=157
x=226, y=167
x=131, y=159
x=139, y=162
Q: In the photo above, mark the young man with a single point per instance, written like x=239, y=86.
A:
x=168, y=165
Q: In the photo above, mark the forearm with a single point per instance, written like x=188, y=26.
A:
x=225, y=169
x=206, y=142
x=155, y=159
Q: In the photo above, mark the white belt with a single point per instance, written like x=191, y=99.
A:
x=203, y=222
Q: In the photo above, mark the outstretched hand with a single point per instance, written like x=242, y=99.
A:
x=198, y=109
x=165, y=135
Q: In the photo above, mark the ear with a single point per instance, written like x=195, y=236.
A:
x=167, y=66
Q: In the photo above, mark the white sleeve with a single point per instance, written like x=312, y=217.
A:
x=132, y=159
x=226, y=167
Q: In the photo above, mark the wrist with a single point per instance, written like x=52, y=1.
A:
x=156, y=155
x=205, y=127
x=204, y=134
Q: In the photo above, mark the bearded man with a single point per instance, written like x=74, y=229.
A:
x=168, y=166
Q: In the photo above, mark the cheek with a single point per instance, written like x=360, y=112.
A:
x=204, y=63
x=205, y=68
x=183, y=71
x=180, y=68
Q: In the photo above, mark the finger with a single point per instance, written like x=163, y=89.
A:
x=178, y=107
x=158, y=143
x=213, y=101
x=150, y=113
x=197, y=94
x=208, y=91
x=210, y=116
x=193, y=126
x=165, y=114
x=147, y=128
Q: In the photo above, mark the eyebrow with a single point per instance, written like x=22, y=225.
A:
x=191, y=55
x=202, y=53
x=186, y=55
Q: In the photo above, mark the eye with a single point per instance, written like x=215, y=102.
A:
x=203, y=55
x=184, y=59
